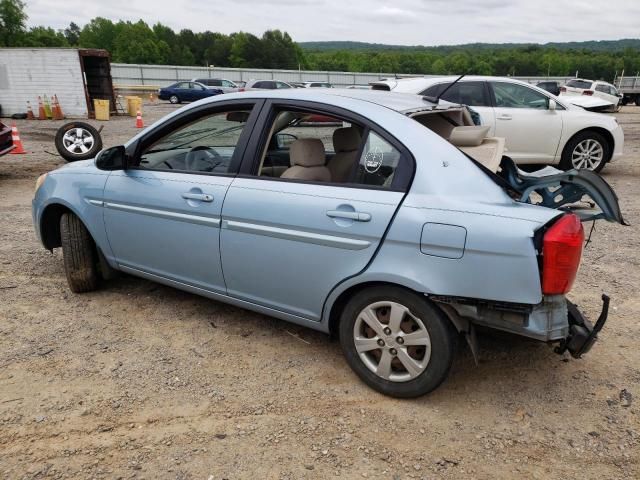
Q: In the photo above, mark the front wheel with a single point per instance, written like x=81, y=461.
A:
x=396, y=341
x=174, y=99
x=586, y=150
x=79, y=254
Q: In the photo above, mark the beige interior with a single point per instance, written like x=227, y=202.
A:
x=468, y=135
x=346, y=142
x=308, y=157
x=489, y=153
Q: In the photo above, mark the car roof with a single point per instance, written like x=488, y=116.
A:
x=400, y=102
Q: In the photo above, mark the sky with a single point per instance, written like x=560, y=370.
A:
x=405, y=22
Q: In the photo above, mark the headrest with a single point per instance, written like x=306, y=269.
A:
x=307, y=152
x=346, y=139
x=468, y=136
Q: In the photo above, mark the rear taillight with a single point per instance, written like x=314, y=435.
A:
x=241, y=89
x=563, y=89
x=561, y=252
x=588, y=92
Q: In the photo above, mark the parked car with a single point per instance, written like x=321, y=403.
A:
x=266, y=85
x=551, y=86
x=597, y=96
x=538, y=127
x=376, y=229
x=6, y=140
x=186, y=92
x=227, y=86
x=315, y=85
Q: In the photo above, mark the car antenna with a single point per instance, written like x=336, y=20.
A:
x=437, y=98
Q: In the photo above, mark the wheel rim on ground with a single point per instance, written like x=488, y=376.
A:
x=588, y=154
x=391, y=341
x=78, y=141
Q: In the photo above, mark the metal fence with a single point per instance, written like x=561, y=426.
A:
x=162, y=75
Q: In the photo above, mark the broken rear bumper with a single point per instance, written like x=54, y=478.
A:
x=582, y=334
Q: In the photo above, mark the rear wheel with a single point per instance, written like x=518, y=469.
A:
x=396, y=341
x=586, y=150
x=174, y=99
x=79, y=253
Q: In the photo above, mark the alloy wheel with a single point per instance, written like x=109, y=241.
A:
x=391, y=341
x=588, y=154
x=78, y=141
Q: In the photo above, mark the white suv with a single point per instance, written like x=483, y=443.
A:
x=538, y=127
x=597, y=96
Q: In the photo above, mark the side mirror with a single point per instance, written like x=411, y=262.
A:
x=552, y=104
x=113, y=158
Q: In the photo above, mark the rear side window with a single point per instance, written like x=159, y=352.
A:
x=472, y=94
x=378, y=162
x=579, y=84
x=269, y=85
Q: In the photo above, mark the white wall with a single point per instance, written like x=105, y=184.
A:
x=26, y=73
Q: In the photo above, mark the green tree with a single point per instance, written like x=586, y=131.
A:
x=72, y=34
x=13, y=20
x=45, y=37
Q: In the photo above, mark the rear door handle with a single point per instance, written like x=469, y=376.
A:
x=202, y=197
x=504, y=117
x=357, y=216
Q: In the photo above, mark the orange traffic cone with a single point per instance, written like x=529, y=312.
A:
x=42, y=115
x=57, y=109
x=30, y=115
x=17, y=143
x=139, y=122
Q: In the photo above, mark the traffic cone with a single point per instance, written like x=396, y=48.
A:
x=57, y=109
x=42, y=115
x=47, y=107
x=30, y=115
x=17, y=143
x=139, y=122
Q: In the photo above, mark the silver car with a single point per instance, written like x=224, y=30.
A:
x=373, y=226
x=227, y=86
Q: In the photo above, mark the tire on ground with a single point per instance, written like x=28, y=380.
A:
x=565, y=161
x=70, y=156
x=79, y=254
x=443, y=338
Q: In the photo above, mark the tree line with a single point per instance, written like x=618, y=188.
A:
x=139, y=42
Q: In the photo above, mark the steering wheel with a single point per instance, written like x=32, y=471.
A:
x=202, y=159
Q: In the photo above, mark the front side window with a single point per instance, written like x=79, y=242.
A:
x=512, y=95
x=465, y=93
x=206, y=145
x=282, y=85
x=226, y=83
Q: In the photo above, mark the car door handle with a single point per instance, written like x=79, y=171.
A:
x=504, y=117
x=202, y=197
x=357, y=216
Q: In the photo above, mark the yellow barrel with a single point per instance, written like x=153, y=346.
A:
x=102, y=109
x=133, y=105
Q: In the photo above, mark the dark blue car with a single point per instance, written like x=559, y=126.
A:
x=187, y=92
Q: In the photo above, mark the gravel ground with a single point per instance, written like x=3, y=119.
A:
x=138, y=380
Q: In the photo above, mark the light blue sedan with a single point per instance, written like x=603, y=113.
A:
x=370, y=225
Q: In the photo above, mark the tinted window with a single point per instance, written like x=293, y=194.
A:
x=466, y=93
x=205, y=145
x=264, y=84
x=512, y=95
x=579, y=84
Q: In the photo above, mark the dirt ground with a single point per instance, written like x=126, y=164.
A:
x=138, y=380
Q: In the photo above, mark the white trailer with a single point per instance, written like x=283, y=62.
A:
x=77, y=76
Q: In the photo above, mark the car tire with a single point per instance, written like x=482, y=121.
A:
x=79, y=254
x=174, y=99
x=380, y=357
x=593, y=145
x=78, y=141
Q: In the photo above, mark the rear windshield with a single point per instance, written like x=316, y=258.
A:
x=579, y=84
